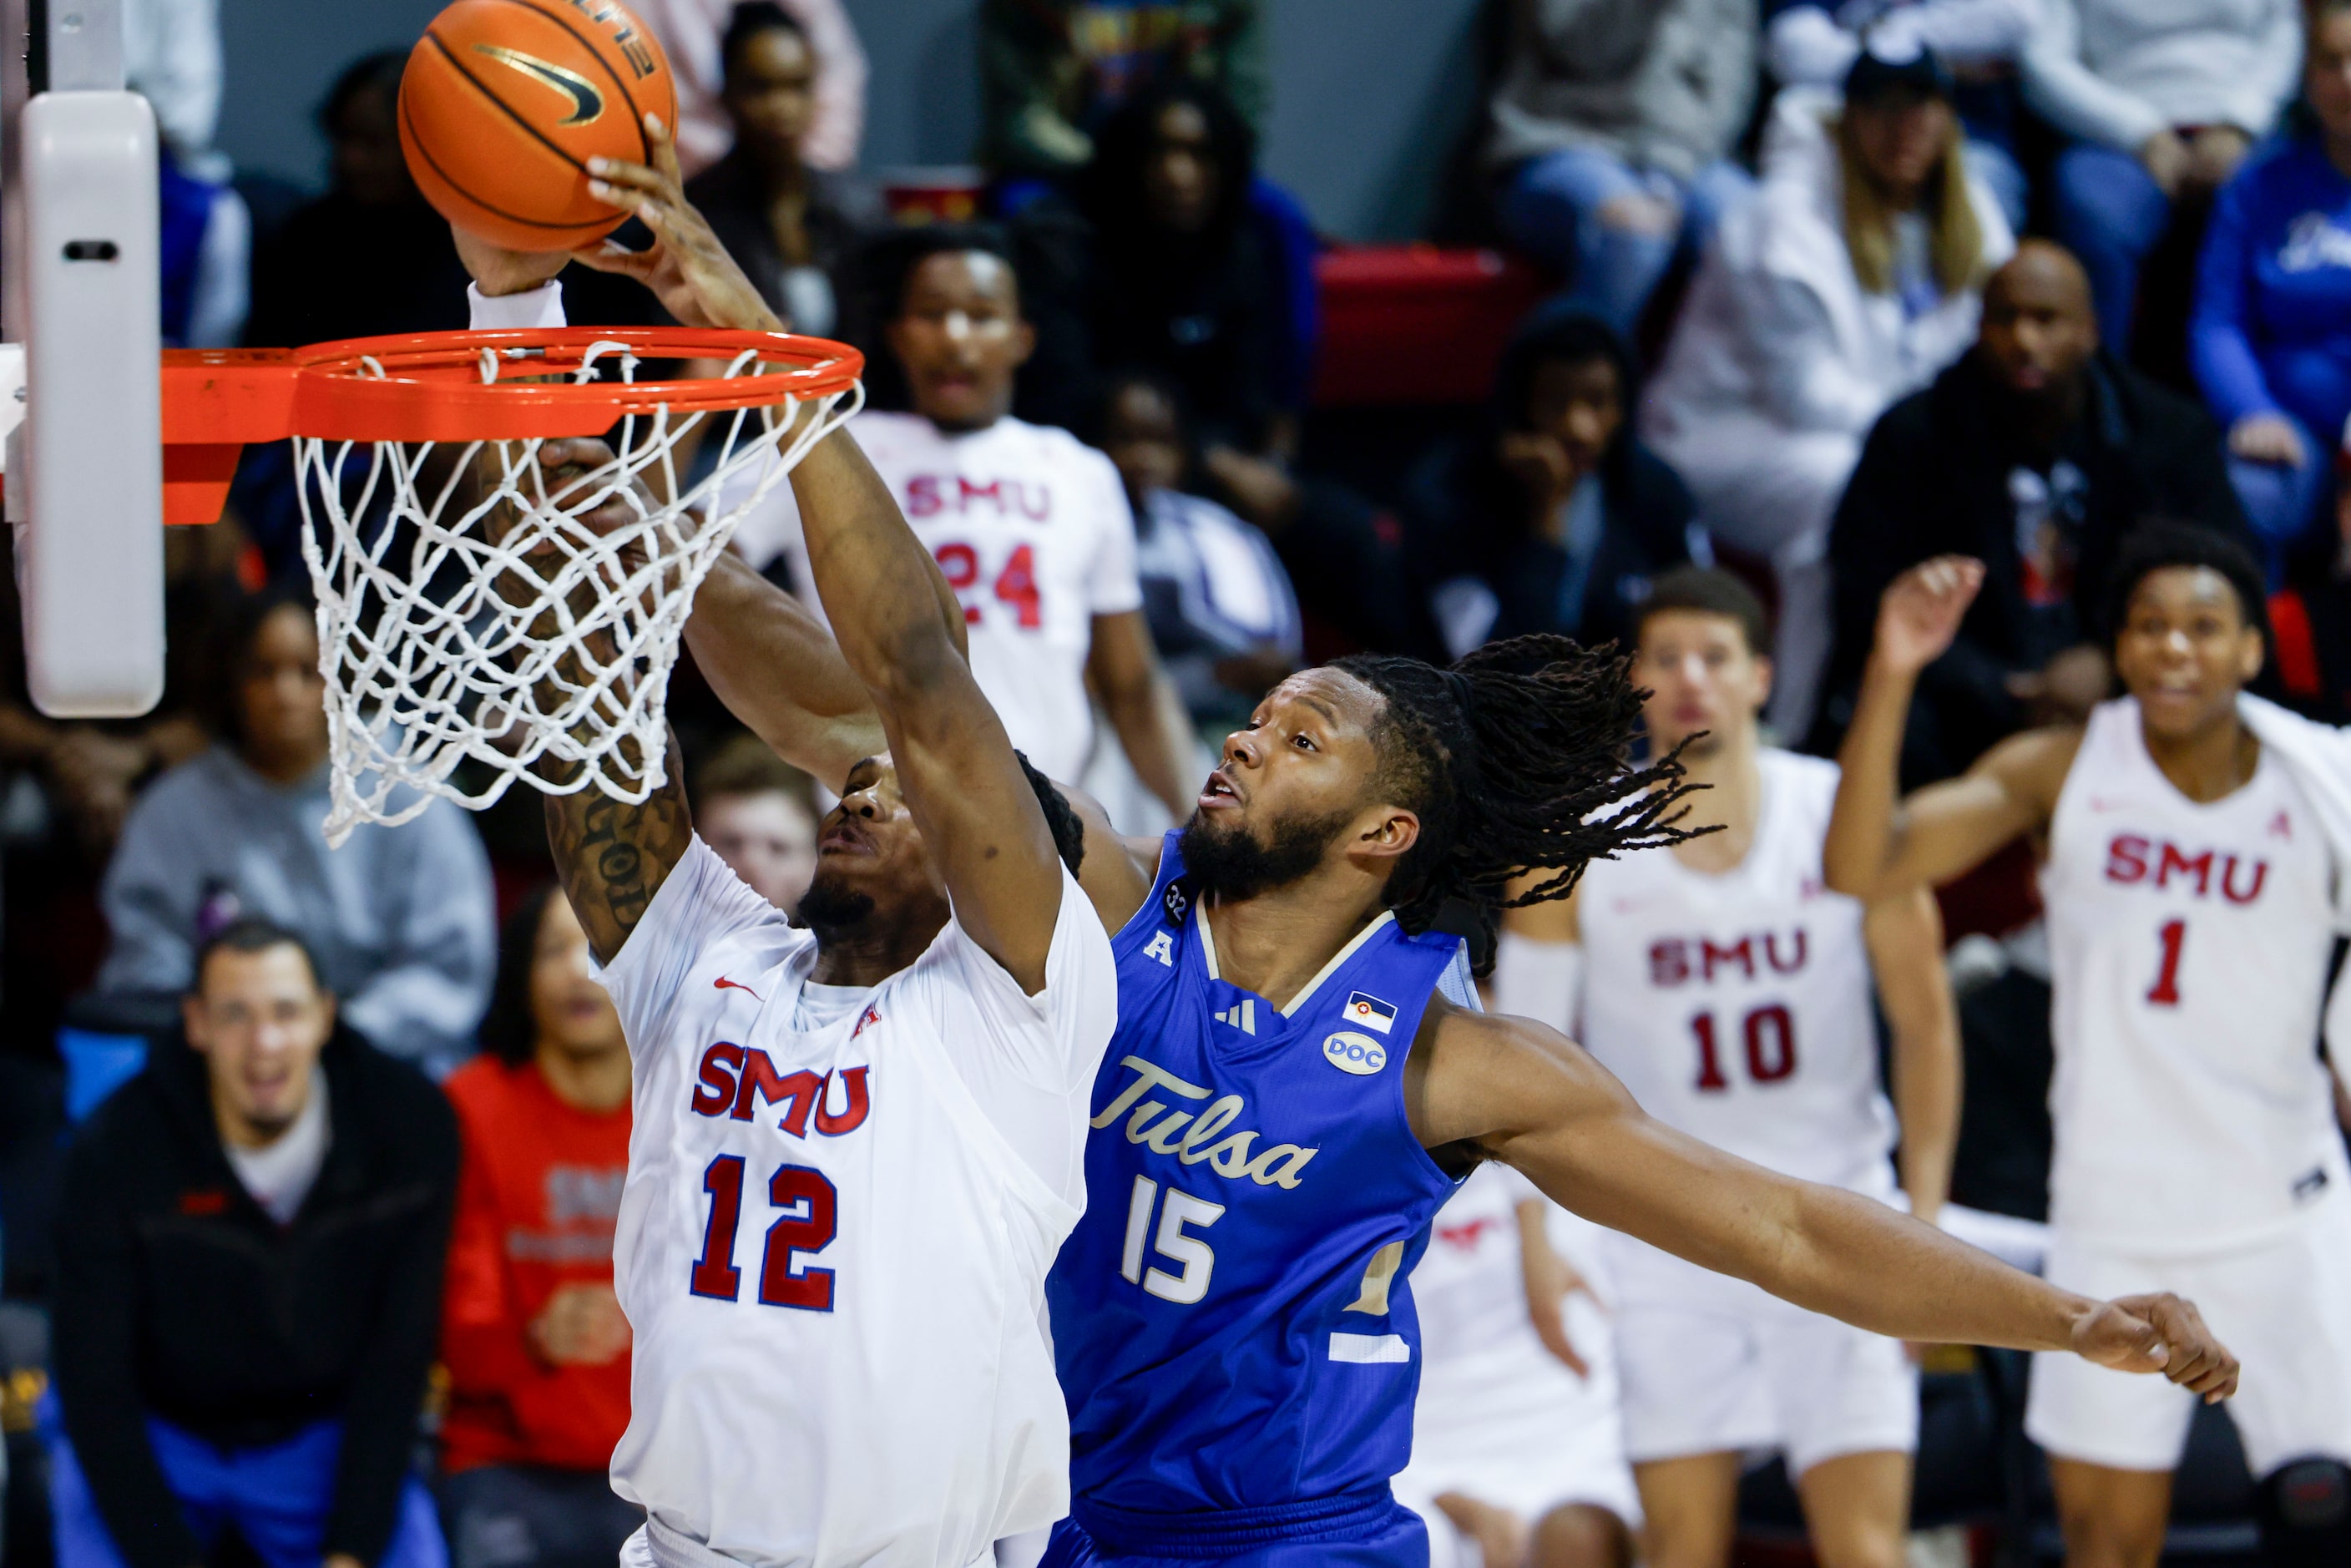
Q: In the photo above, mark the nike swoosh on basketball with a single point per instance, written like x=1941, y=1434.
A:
x=587, y=103
x=722, y=984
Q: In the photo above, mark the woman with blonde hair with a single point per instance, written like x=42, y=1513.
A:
x=1852, y=277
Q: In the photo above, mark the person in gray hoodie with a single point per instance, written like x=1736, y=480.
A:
x=401, y=918
x=1611, y=136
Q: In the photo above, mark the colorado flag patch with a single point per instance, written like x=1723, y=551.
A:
x=1369, y=1012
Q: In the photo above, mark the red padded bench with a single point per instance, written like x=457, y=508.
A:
x=1414, y=324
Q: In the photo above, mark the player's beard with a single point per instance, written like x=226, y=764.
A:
x=1233, y=864
x=833, y=912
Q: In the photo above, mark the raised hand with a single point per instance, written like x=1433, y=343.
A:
x=496, y=271
x=686, y=267
x=1920, y=613
x=2158, y=1334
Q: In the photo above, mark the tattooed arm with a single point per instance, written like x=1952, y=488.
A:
x=613, y=857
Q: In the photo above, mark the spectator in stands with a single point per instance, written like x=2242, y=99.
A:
x=693, y=34
x=2271, y=340
x=2036, y=455
x=1849, y=281
x=1183, y=281
x=1614, y=127
x=791, y=226
x=248, y=1286
x=368, y=257
x=1052, y=71
x=1553, y=516
x=537, y=1349
x=1219, y=604
x=2164, y=100
x=758, y=813
x=400, y=918
x=1814, y=43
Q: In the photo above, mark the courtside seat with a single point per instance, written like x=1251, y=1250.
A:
x=1414, y=324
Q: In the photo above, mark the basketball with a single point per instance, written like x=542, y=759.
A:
x=505, y=102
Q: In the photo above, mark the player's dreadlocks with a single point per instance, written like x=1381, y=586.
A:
x=1515, y=761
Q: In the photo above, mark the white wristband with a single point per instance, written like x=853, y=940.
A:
x=533, y=308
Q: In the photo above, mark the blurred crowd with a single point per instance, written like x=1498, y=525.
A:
x=1833, y=288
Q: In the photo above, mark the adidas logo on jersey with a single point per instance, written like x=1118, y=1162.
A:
x=1242, y=1015
x=1194, y=1137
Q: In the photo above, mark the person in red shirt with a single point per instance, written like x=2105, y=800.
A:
x=537, y=1349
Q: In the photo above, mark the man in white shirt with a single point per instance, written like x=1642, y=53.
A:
x=1030, y=525
x=841, y=1124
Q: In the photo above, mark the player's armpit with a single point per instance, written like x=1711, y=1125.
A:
x=612, y=857
x=776, y=668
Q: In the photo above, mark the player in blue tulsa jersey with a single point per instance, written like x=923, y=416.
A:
x=1300, y=1077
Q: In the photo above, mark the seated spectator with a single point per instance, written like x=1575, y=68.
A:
x=1184, y=282
x=2163, y=102
x=1553, y=517
x=692, y=33
x=2036, y=455
x=791, y=225
x=1850, y=281
x=248, y=1290
x=369, y=257
x=1052, y=71
x=1614, y=127
x=1814, y=43
x=758, y=813
x=531, y=1334
x=400, y=918
x=1219, y=605
x=2271, y=340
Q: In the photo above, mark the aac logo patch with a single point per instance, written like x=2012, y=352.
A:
x=1357, y=1053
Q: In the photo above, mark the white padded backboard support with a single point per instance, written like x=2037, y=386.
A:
x=85, y=472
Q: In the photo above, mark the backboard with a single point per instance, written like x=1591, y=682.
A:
x=81, y=309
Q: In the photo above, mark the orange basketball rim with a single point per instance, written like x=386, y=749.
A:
x=461, y=387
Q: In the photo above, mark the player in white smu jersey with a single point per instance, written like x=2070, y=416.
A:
x=1030, y=525
x=1517, y=1447
x=857, y=1144
x=1732, y=992
x=2190, y=874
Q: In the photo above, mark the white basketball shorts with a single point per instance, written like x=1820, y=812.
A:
x=1710, y=1377
x=2283, y=1306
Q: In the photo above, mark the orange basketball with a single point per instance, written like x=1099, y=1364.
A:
x=504, y=102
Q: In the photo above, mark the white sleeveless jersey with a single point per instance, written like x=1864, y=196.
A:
x=1032, y=529
x=1482, y=1363
x=834, y=1240
x=1738, y=1007
x=2189, y=946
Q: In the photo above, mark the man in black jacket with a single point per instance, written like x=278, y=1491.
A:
x=249, y=1261
x=2035, y=453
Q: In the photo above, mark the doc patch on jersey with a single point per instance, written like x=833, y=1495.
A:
x=1366, y=1011
x=1357, y=1053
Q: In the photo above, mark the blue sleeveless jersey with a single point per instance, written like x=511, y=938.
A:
x=1231, y=1318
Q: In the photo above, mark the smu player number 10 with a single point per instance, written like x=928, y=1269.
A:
x=1770, y=1037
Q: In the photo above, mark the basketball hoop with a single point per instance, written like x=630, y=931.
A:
x=468, y=611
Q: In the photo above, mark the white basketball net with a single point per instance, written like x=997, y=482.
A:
x=514, y=635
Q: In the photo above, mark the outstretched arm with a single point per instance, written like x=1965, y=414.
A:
x=1524, y=1094
x=1877, y=849
x=956, y=768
